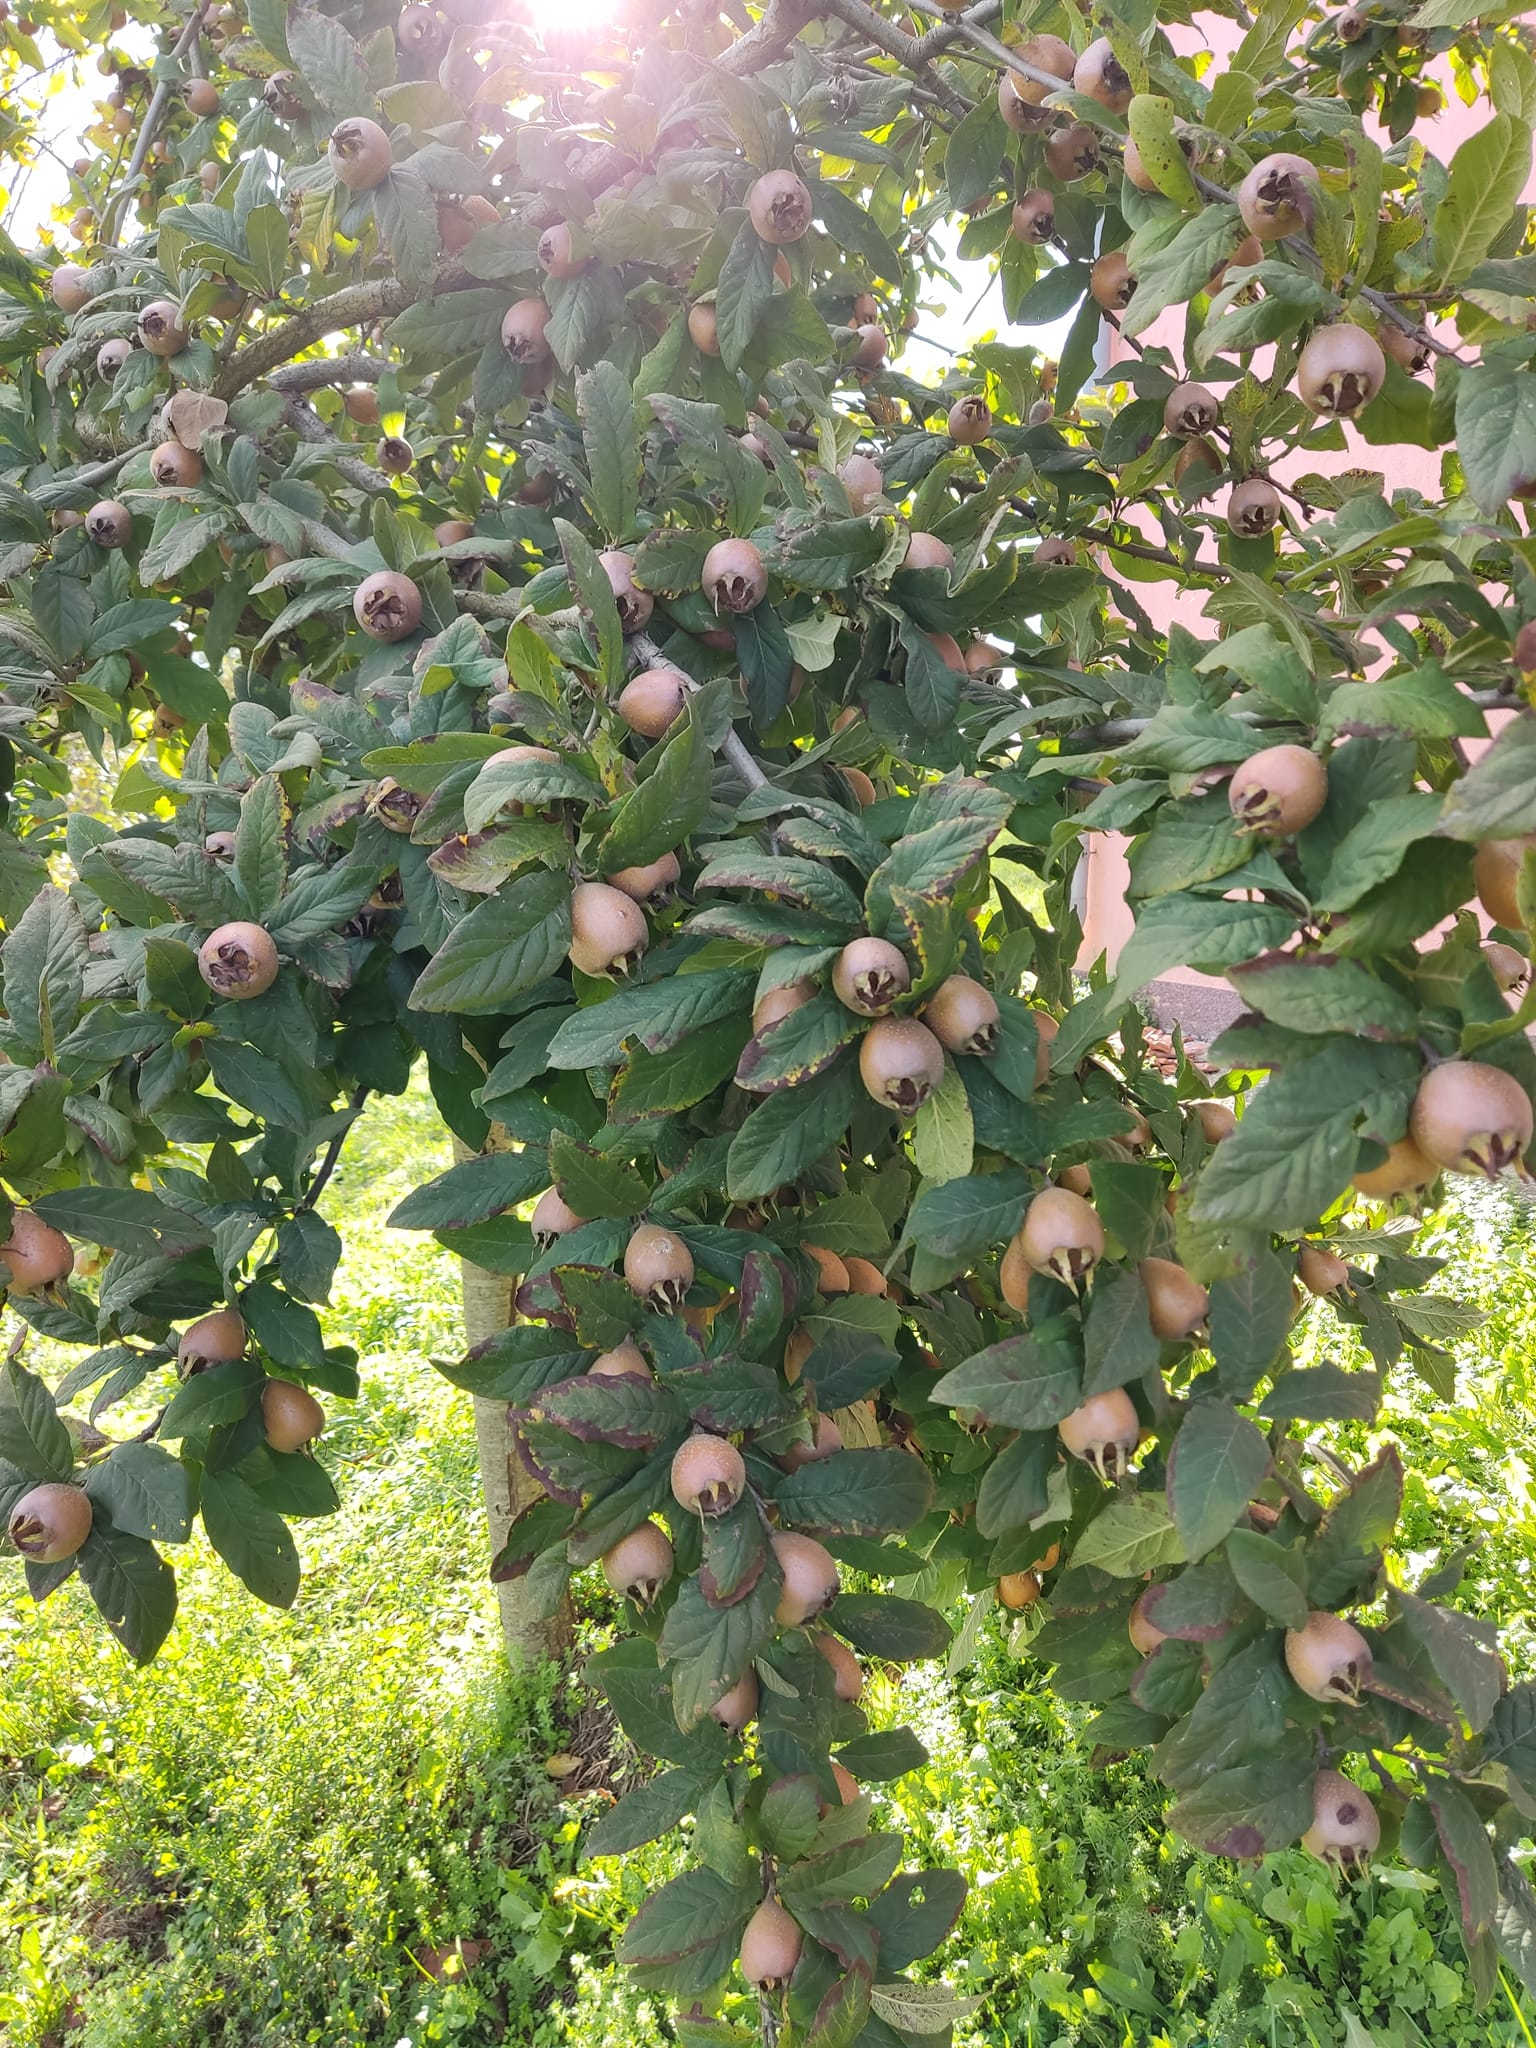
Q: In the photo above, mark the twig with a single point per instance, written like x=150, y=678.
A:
x=904, y=48
x=315, y=376
x=154, y=114
x=732, y=747
x=328, y=1164
x=309, y=426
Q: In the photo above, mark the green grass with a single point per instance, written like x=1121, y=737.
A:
x=275, y=1833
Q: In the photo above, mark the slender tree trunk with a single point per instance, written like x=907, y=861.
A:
x=506, y=1484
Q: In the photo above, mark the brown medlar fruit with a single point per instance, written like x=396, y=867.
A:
x=770, y=1947
x=1253, y=508
x=1190, y=410
x=780, y=207
x=1340, y=371
x=1111, y=281
x=658, y=1267
x=634, y=605
x=1278, y=791
x=359, y=153
x=160, y=328
x=1103, y=1432
x=963, y=1016
x=709, y=1475
x=50, y=1522
x=1328, y=1658
x=1177, y=1305
x=811, y=1583
x=1277, y=196
x=174, y=467
x=969, y=422
x=734, y=577
x=1472, y=1118
x=1061, y=1235
x=70, y=287
x=238, y=961
x=387, y=605
x=291, y=1416
x=1034, y=217
x=35, y=1254
x=608, y=931
x=111, y=356
x=639, y=1564
x=1099, y=75
x=869, y=974
x=213, y=1339
x=900, y=1063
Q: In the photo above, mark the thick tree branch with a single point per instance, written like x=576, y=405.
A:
x=907, y=50
x=309, y=426
x=316, y=376
x=768, y=38
x=355, y=305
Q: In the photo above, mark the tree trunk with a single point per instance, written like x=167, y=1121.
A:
x=508, y=1487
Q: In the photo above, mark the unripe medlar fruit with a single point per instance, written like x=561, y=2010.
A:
x=860, y=477
x=1177, y=1305
x=1277, y=196
x=523, y=333
x=709, y=1475
x=608, y=930
x=552, y=1217
x=202, y=97
x=1099, y=75
x=624, y=1361
x=1073, y=153
x=449, y=532
x=704, y=328
x=780, y=207
x=868, y=975
x=1496, y=875
x=734, y=577
x=1328, y=1658
x=1279, y=791
x=419, y=31
x=963, y=1016
x=733, y=1710
x=174, y=467
x=291, y=1416
x=1034, y=218
x=825, y=1443
x=1319, y=1270
x=900, y=1063
x=111, y=356
x=1253, y=508
x=70, y=287
x=1190, y=410
x=1061, y=1235
x=874, y=346
x=1471, y=1118
x=847, y=1671
x=1508, y=968
x=1103, y=1432
x=1345, y=1827
x=1042, y=53
x=212, y=1340
x=770, y=1947
x=969, y=422
x=659, y=1267
x=634, y=605
x=394, y=455
x=780, y=1002
x=1404, y=1170
x=1410, y=352
x=1216, y=1120
x=650, y=883
x=1017, y=1590
x=160, y=328
x=811, y=1583
x=1340, y=371
x=557, y=257
x=109, y=523
x=361, y=405
x=639, y=1564
x=238, y=961
x=359, y=154
x=50, y=1522
x=35, y=1254
x=387, y=605
x=1055, y=553
x=1111, y=281
x=927, y=551
x=1145, y=1634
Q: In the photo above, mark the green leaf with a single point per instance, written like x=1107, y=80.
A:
x=595, y=599
x=698, y=1912
x=287, y=1330
x=1274, y=1578
x=1025, y=1382
x=144, y=1491
x=932, y=686
x=594, y=1184
x=1487, y=175
x=659, y=1015
x=1250, y=1319
x=1323, y=1393
x=1296, y=1146
x=1214, y=1469
x=1250, y=1810
x=647, y=1813
x=472, y=1192
x=1496, y=432
x=1463, y=1652
x=790, y=1131
x=976, y=147
x=1150, y=120
x=1174, y=275
x=904, y=1631
x=451, y=324
x=857, y=1493
x=1465, y=1845
x=882, y=1756
x=742, y=293
x=1344, y=1557
x=659, y=813
x=505, y=945
x=1207, y=933
x=331, y=63
x=796, y=1047
x=32, y=1438
x=222, y=1394
x=123, y=1219
x=133, y=1587
x=1319, y=993
x=611, y=436
x=252, y=1538
x=44, y=962
x=1423, y=704
x=1118, y=1343
x=1133, y=1534
x=853, y=1870
x=261, y=855
x=956, y=1222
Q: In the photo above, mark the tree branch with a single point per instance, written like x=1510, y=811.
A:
x=315, y=376
x=768, y=38
x=309, y=426
x=732, y=746
x=355, y=305
x=154, y=114
x=906, y=49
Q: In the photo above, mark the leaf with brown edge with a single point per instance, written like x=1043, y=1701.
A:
x=1467, y=1849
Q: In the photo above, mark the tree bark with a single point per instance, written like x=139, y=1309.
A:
x=506, y=1484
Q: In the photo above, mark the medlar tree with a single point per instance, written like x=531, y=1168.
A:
x=680, y=730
